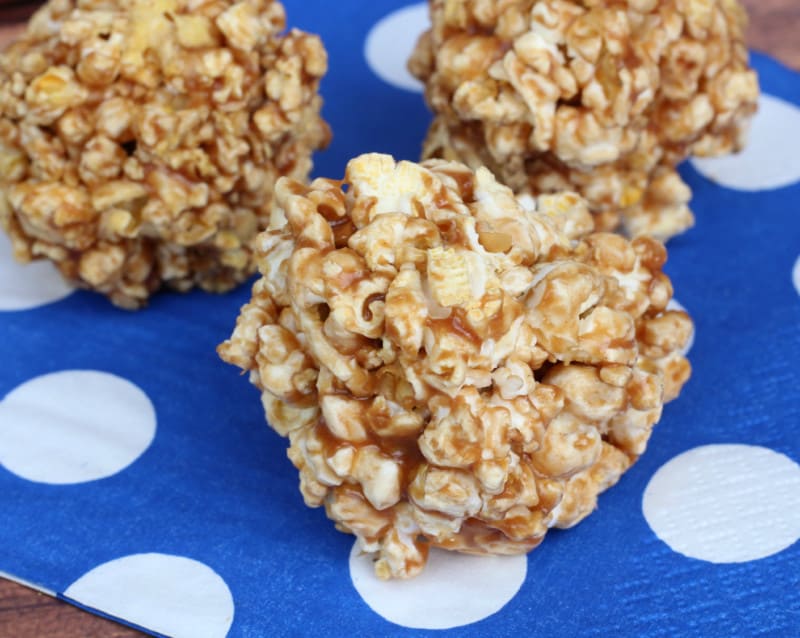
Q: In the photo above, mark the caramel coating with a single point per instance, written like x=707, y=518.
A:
x=454, y=367
x=603, y=98
x=140, y=141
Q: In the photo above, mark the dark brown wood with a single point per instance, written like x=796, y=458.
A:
x=774, y=29
x=14, y=11
x=25, y=613
x=8, y=30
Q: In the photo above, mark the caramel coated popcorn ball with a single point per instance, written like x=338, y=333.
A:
x=454, y=367
x=140, y=140
x=597, y=96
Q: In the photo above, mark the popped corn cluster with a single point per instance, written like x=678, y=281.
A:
x=453, y=366
x=598, y=96
x=140, y=140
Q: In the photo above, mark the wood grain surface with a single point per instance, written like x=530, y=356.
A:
x=24, y=613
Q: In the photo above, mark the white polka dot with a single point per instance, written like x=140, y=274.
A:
x=25, y=286
x=796, y=275
x=171, y=595
x=74, y=426
x=390, y=43
x=453, y=589
x=770, y=158
x=674, y=304
x=725, y=503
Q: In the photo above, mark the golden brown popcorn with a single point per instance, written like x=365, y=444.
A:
x=454, y=367
x=140, y=140
x=603, y=98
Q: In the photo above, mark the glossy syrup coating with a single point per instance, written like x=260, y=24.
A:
x=601, y=97
x=452, y=366
x=140, y=141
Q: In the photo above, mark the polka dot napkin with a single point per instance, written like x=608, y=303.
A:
x=138, y=479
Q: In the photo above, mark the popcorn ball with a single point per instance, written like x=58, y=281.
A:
x=452, y=366
x=603, y=98
x=140, y=140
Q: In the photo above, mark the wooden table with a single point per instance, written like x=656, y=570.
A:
x=25, y=613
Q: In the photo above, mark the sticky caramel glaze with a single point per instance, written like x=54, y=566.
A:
x=347, y=279
x=332, y=208
x=452, y=233
x=403, y=450
x=366, y=311
x=466, y=185
x=496, y=327
x=475, y=537
x=343, y=228
x=455, y=324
